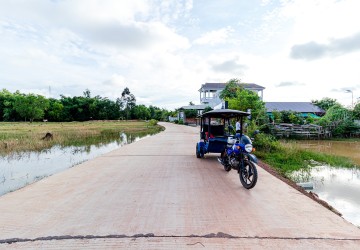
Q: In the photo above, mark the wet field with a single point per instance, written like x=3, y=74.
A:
x=21, y=169
x=340, y=187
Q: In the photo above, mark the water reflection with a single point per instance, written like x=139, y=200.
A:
x=20, y=169
x=349, y=149
x=338, y=186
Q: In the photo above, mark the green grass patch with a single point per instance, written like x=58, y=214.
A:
x=288, y=158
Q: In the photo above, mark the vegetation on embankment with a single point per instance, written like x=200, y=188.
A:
x=21, y=136
x=287, y=158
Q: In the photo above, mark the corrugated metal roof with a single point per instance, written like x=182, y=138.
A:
x=198, y=107
x=302, y=107
x=210, y=85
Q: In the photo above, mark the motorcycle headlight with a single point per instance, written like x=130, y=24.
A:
x=248, y=148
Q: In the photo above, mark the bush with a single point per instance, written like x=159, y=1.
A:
x=176, y=121
x=181, y=122
x=153, y=122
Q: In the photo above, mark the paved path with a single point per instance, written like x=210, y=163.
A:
x=155, y=194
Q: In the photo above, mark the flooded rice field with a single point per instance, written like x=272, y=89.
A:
x=350, y=149
x=19, y=170
x=340, y=187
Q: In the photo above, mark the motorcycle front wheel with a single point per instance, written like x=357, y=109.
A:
x=248, y=175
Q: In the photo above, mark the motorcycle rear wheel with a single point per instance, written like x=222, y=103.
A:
x=248, y=175
x=227, y=166
x=199, y=152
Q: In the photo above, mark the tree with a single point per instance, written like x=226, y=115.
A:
x=31, y=106
x=325, y=103
x=356, y=111
x=339, y=120
x=190, y=113
x=141, y=112
x=285, y=116
x=7, y=110
x=230, y=90
x=276, y=116
x=55, y=110
x=127, y=102
x=87, y=93
x=247, y=99
x=207, y=109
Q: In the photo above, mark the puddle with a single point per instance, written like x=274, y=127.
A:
x=339, y=187
x=19, y=170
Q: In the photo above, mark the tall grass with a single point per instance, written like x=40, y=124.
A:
x=17, y=137
x=288, y=158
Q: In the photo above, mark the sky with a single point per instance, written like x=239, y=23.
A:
x=163, y=51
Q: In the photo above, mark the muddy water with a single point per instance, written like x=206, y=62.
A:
x=340, y=187
x=341, y=148
x=337, y=186
x=19, y=170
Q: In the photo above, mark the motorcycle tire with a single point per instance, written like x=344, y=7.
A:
x=248, y=175
x=227, y=167
x=197, y=151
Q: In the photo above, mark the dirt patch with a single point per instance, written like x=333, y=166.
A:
x=310, y=194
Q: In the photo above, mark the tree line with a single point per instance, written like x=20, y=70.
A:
x=18, y=106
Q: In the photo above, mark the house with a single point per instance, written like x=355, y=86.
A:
x=182, y=116
x=210, y=97
x=305, y=108
x=210, y=92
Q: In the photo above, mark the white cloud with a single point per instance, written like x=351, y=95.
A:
x=107, y=45
x=317, y=20
x=215, y=37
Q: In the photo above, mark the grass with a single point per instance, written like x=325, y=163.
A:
x=288, y=158
x=22, y=136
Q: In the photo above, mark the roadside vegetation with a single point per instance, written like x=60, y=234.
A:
x=286, y=159
x=25, y=120
x=25, y=136
x=30, y=107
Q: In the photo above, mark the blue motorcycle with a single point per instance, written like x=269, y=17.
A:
x=217, y=136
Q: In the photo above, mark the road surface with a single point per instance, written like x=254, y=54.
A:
x=155, y=194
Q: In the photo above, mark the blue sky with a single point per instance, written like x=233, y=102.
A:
x=299, y=50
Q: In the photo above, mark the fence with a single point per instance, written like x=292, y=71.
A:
x=287, y=130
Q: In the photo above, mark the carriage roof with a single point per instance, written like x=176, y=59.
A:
x=225, y=113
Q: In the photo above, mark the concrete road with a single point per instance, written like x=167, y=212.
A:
x=155, y=194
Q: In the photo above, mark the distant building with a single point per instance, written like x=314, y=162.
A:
x=210, y=92
x=210, y=97
x=305, y=108
x=181, y=115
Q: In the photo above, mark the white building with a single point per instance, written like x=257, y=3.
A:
x=210, y=92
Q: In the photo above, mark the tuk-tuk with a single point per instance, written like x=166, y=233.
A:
x=217, y=135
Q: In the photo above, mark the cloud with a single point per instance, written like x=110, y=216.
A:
x=335, y=47
x=289, y=84
x=136, y=35
x=345, y=89
x=229, y=66
x=115, y=81
x=215, y=37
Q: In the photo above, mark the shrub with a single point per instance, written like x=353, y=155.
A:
x=153, y=122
